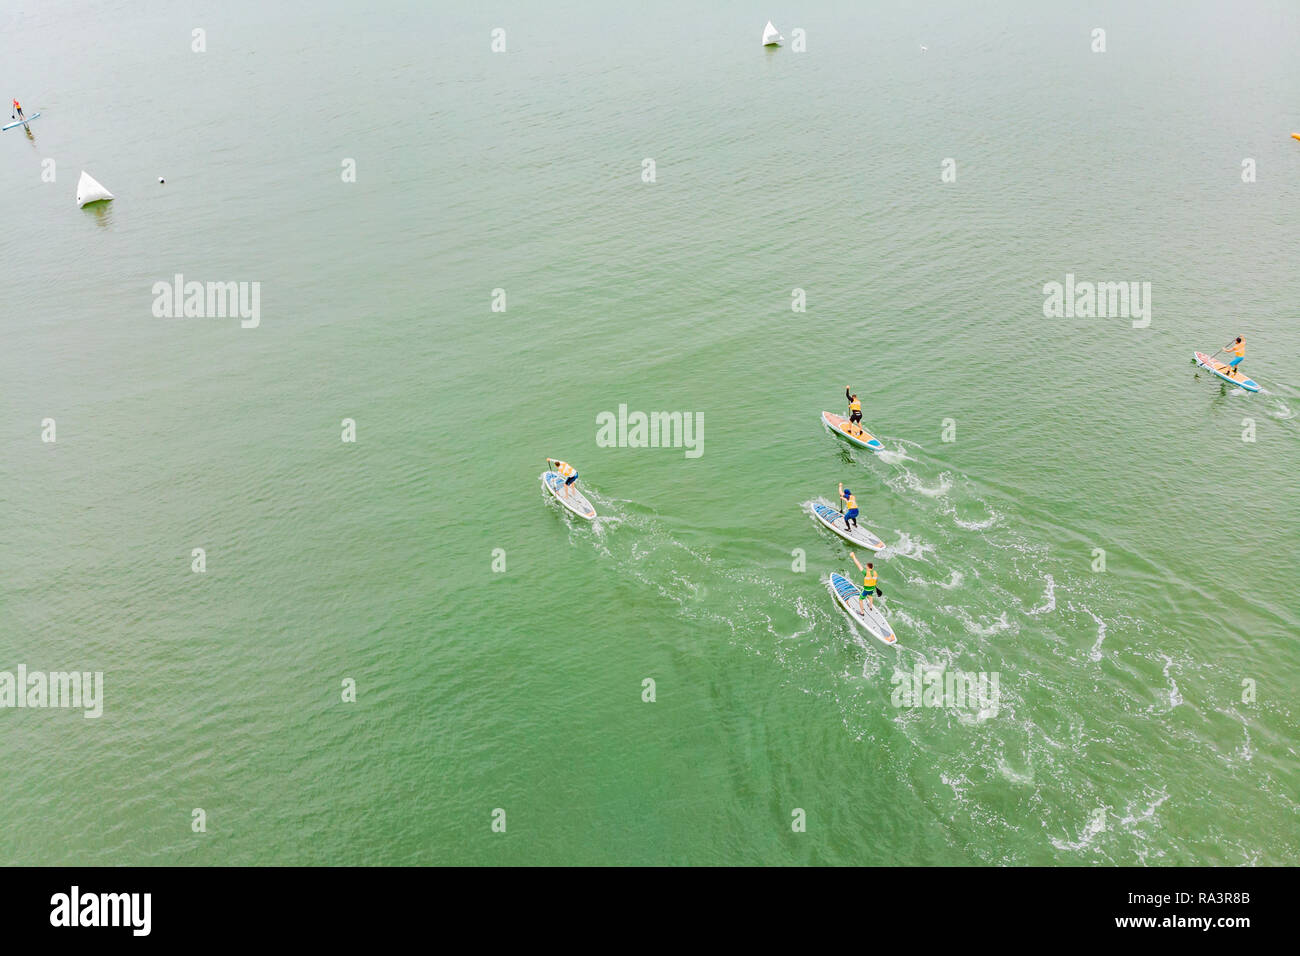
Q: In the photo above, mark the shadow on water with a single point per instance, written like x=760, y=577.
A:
x=101, y=211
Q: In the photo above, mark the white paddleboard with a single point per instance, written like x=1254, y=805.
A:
x=835, y=521
x=21, y=122
x=846, y=592
x=575, y=501
x=1224, y=371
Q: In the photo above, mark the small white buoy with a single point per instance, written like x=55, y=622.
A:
x=924, y=48
x=160, y=179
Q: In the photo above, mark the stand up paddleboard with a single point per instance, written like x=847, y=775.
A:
x=21, y=122
x=841, y=426
x=574, y=501
x=846, y=592
x=1222, y=369
x=835, y=521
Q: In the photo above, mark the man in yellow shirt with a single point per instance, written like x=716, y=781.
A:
x=855, y=413
x=870, y=587
x=567, y=472
x=850, y=505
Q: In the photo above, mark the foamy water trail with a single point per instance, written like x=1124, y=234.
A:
x=1096, y=824
x=954, y=580
x=1049, y=598
x=908, y=441
x=907, y=547
x=1101, y=636
x=1130, y=819
x=1175, y=696
x=996, y=626
x=1245, y=751
x=975, y=525
x=894, y=456
x=914, y=483
x=763, y=614
x=1024, y=779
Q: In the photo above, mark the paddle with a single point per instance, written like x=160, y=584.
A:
x=1210, y=358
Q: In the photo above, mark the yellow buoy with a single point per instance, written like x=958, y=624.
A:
x=1295, y=135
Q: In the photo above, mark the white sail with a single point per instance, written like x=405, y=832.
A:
x=771, y=35
x=88, y=190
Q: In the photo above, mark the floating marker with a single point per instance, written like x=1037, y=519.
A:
x=88, y=190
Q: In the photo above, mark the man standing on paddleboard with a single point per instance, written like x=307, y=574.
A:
x=18, y=111
x=855, y=410
x=850, y=508
x=1238, y=348
x=869, y=588
x=567, y=472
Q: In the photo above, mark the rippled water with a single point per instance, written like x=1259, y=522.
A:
x=1121, y=691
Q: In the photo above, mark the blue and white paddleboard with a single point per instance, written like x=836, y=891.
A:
x=575, y=501
x=835, y=521
x=21, y=122
x=1222, y=370
x=846, y=592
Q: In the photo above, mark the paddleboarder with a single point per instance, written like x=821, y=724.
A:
x=18, y=111
x=1237, y=348
x=855, y=411
x=850, y=508
x=870, y=586
x=567, y=472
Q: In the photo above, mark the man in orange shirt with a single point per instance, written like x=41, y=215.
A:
x=1238, y=349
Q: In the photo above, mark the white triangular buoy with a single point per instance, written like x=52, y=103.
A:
x=771, y=35
x=88, y=190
